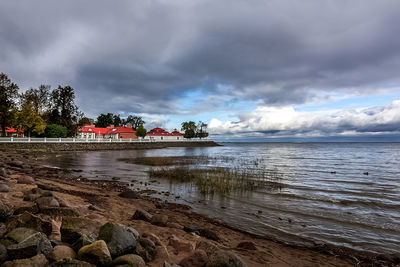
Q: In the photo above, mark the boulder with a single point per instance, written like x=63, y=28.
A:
x=143, y=215
x=4, y=188
x=222, y=258
x=119, y=240
x=31, y=221
x=71, y=263
x=208, y=247
x=153, y=238
x=81, y=242
x=197, y=258
x=47, y=202
x=19, y=234
x=5, y=211
x=36, y=261
x=179, y=246
x=31, y=246
x=131, y=230
x=160, y=220
x=146, y=249
x=129, y=194
x=62, y=252
x=28, y=207
x=72, y=228
x=25, y=179
x=96, y=253
x=60, y=211
x=131, y=260
x=31, y=197
x=3, y=253
x=209, y=234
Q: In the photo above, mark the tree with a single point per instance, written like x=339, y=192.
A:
x=189, y=129
x=8, y=96
x=55, y=131
x=29, y=121
x=141, y=131
x=201, y=133
x=39, y=99
x=117, y=121
x=85, y=120
x=63, y=110
x=105, y=120
x=136, y=121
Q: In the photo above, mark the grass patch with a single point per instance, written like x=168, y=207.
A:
x=218, y=180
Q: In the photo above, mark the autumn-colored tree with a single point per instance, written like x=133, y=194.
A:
x=29, y=121
x=8, y=97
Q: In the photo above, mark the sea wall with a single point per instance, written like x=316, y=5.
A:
x=103, y=146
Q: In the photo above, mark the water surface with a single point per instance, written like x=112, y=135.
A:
x=325, y=195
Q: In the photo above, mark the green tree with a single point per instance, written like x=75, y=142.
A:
x=39, y=99
x=117, y=121
x=85, y=120
x=136, y=121
x=104, y=120
x=189, y=128
x=55, y=131
x=63, y=110
x=8, y=97
x=141, y=131
x=201, y=130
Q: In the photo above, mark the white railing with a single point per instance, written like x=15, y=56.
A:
x=87, y=140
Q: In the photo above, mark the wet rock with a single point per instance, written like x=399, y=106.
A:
x=222, y=258
x=25, y=179
x=19, y=234
x=60, y=211
x=47, y=202
x=96, y=253
x=4, y=188
x=247, y=245
x=3, y=253
x=5, y=211
x=143, y=215
x=119, y=240
x=160, y=220
x=36, y=261
x=192, y=228
x=62, y=252
x=71, y=263
x=81, y=242
x=197, y=258
x=209, y=234
x=129, y=194
x=179, y=246
x=72, y=228
x=131, y=260
x=146, y=249
x=31, y=246
x=31, y=221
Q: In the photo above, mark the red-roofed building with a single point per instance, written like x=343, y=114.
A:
x=161, y=134
x=11, y=132
x=111, y=132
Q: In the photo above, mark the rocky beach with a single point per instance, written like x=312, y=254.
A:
x=52, y=218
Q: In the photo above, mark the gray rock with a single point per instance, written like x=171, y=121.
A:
x=132, y=230
x=31, y=221
x=31, y=246
x=119, y=240
x=71, y=263
x=141, y=214
x=131, y=260
x=224, y=259
x=5, y=211
x=19, y=234
x=160, y=220
x=47, y=202
x=146, y=249
x=81, y=242
x=72, y=228
x=3, y=253
x=36, y=261
x=4, y=188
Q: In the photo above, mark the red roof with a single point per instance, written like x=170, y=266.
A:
x=162, y=132
x=108, y=130
x=10, y=130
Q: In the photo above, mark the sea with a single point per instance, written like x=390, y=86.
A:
x=342, y=194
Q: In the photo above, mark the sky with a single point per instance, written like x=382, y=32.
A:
x=252, y=70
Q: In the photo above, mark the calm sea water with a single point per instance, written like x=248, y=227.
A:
x=324, y=195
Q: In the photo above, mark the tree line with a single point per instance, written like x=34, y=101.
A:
x=46, y=112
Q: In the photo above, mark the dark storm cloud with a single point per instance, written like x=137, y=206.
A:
x=143, y=56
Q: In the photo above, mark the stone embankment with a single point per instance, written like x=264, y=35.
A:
x=49, y=218
x=92, y=146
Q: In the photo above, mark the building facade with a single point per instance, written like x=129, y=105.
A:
x=161, y=134
x=110, y=132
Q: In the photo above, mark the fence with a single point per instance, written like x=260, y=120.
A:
x=87, y=140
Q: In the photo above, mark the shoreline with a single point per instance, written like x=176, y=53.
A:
x=105, y=193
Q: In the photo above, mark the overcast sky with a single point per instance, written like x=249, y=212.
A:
x=251, y=69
